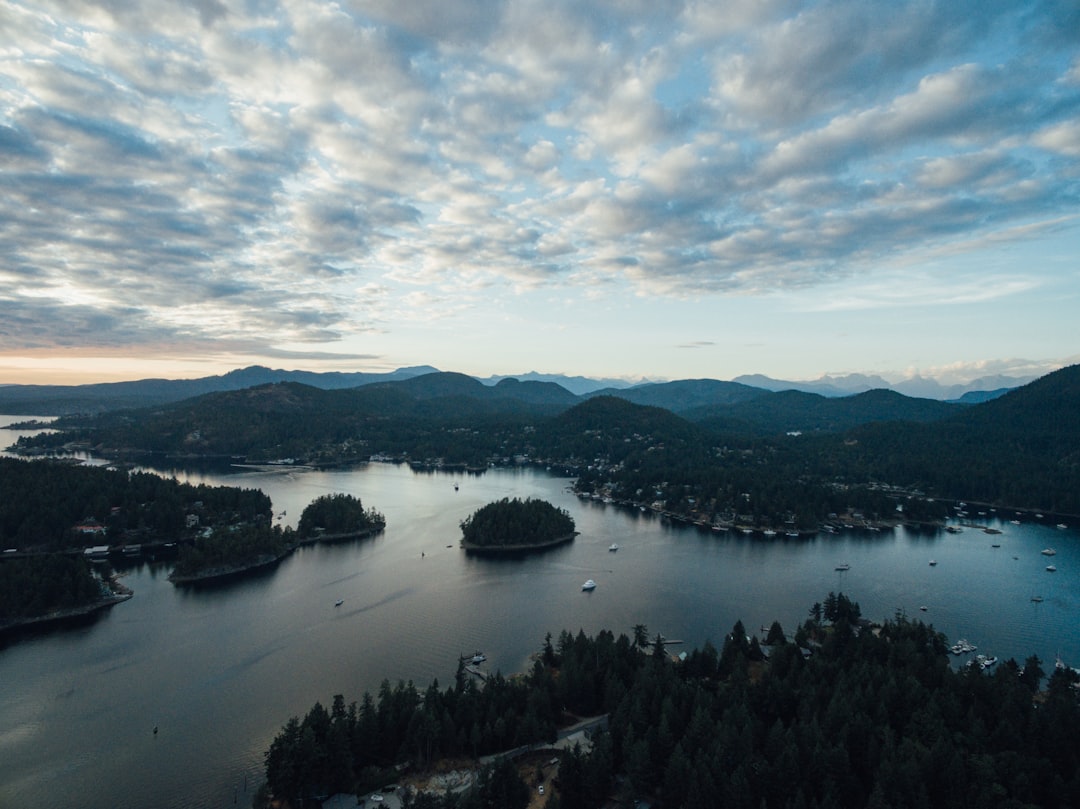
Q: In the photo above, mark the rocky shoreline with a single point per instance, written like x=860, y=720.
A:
x=119, y=593
x=511, y=549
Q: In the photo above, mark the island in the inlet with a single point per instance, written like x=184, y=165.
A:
x=515, y=525
x=338, y=516
x=62, y=524
x=328, y=518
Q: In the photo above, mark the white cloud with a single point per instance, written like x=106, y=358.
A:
x=241, y=169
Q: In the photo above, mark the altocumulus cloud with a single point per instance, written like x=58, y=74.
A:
x=237, y=173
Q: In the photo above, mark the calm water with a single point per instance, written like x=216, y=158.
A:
x=220, y=669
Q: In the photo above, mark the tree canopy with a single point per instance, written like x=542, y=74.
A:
x=516, y=523
x=843, y=717
x=338, y=514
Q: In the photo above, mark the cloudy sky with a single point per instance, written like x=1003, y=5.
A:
x=633, y=188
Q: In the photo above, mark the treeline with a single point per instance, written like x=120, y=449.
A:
x=34, y=586
x=43, y=501
x=843, y=716
x=351, y=747
x=233, y=547
x=1019, y=450
x=338, y=514
x=510, y=522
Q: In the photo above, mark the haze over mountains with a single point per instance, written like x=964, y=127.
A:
x=48, y=400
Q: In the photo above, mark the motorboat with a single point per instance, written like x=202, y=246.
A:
x=613, y=547
x=1048, y=552
x=589, y=585
x=843, y=566
x=339, y=602
x=933, y=562
x=1051, y=569
x=478, y=658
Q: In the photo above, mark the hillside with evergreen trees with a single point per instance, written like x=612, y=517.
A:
x=842, y=714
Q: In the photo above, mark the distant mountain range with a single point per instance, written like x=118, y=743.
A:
x=681, y=396
x=1020, y=448
x=978, y=390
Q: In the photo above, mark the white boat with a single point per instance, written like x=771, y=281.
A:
x=613, y=547
x=933, y=562
x=1062, y=525
x=769, y=532
x=843, y=566
x=1048, y=552
x=339, y=602
x=1037, y=599
x=589, y=585
x=478, y=658
x=1051, y=569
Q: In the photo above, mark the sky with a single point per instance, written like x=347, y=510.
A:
x=632, y=188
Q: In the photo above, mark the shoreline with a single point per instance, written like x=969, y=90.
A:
x=225, y=571
x=495, y=550
x=120, y=593
x=265, y=561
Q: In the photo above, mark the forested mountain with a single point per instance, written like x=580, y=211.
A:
x=792, y=410
x=56, y=400
x=1020, y=449
x=686, y=394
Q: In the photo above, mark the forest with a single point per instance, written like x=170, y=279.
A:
x=45, y=500
x=38, y=585
x=232, y=549
x=841, y=714
x=338, y=515
x=516, y=523
x=800, y=458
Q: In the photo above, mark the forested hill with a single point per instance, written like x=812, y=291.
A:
x=1020, y=449
x=792, y=410
x=687, y=394
x=57, y=400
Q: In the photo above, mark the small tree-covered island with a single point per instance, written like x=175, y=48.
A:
x=57, y=517
x=515, y=525
x=842, y=713
x=338, y=516
x=328, y=518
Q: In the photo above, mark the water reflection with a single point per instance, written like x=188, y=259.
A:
x=220, y=668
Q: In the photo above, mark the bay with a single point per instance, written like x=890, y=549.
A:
x=219, y=669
